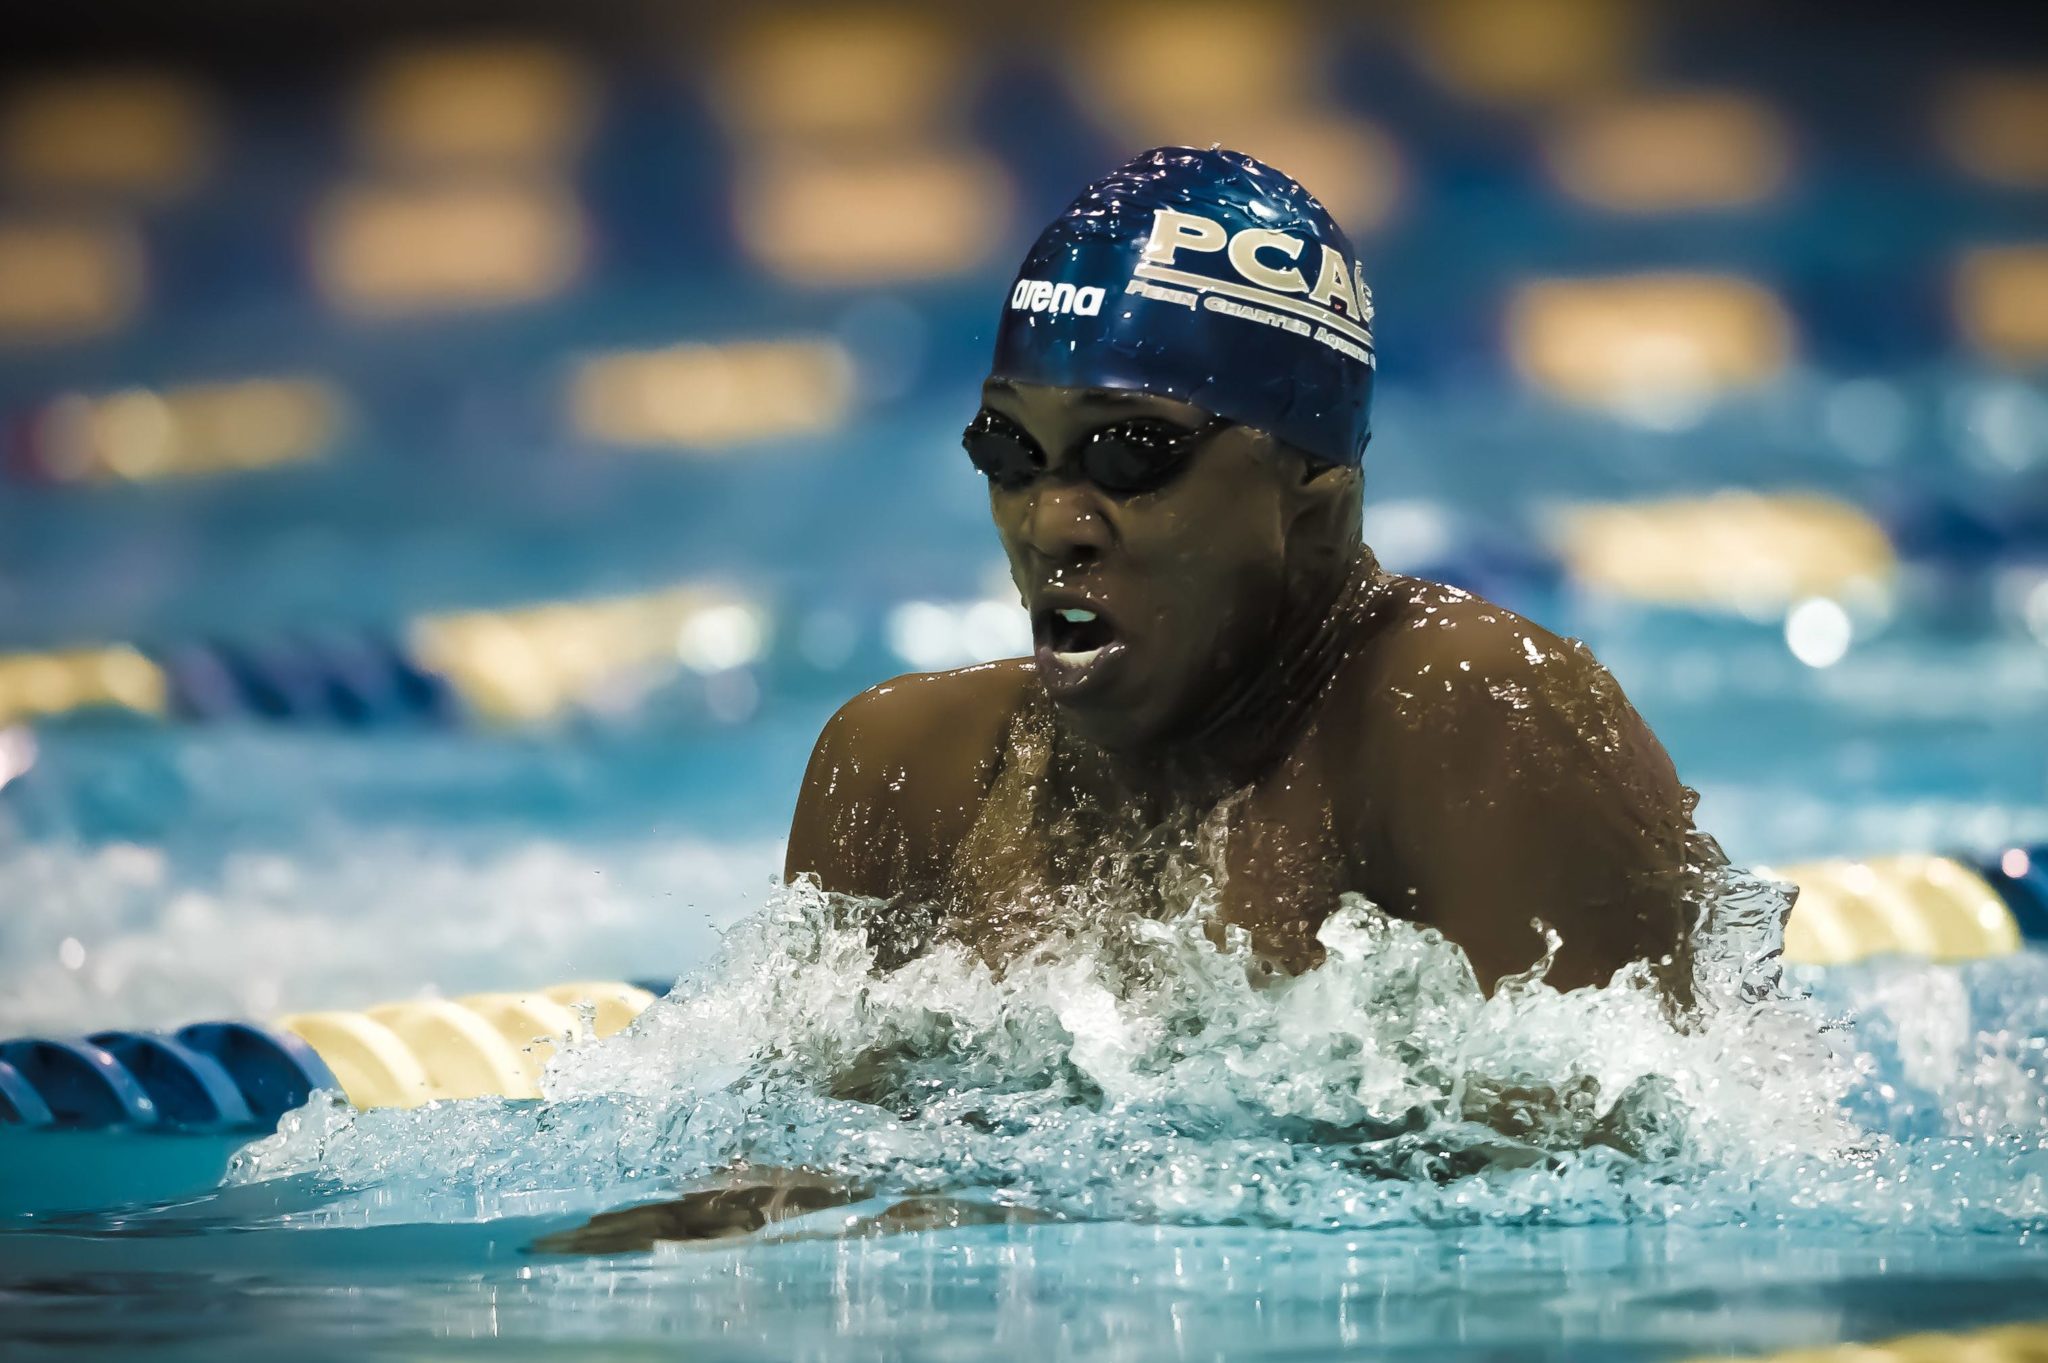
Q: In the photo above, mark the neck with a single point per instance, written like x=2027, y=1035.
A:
x=1252, y=722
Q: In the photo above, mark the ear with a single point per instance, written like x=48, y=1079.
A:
x=1327, y=504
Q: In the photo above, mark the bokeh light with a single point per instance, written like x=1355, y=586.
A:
x=394, y=248
x=1650, y=346
x=62, y=278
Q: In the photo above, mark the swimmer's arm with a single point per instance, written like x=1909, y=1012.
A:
x=1526, y=786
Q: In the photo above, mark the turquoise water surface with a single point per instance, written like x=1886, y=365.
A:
x=1370, y=1161
x=1289, y=1173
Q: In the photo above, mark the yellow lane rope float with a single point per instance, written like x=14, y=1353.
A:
x=1935, y=907
x=405, y=1054
x=2005, y=1344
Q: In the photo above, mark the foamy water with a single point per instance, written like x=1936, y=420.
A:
x=1128, y=1069
x=1131, y=1069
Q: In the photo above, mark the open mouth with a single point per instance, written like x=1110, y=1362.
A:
x=1073, y=646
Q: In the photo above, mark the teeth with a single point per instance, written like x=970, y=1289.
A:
x=1076, y=617
x=1077, y=659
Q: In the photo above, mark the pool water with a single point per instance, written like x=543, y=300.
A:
x=420, y=1246
x=1239, y=1176
x=1107, y=1291
x=1291, y=1173
x=1372, y=1160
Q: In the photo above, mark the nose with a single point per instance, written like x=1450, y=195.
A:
x=1065, y=524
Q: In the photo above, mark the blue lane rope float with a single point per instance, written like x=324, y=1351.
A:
x=244, y=1076
x=20, y=1104
x=353, y=679
x=521, y=665
x=81, y=1084
x=226, y=1076
x=188, y=1089
x=273, y=1071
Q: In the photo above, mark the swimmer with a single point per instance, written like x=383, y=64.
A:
x=1172, y=434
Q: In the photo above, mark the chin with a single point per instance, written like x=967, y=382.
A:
x=1114, y=727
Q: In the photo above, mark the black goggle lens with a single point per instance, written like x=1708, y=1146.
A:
x=1136, y=456
x=1001, y=450
x=1139, y=455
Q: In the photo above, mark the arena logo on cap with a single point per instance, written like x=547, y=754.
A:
x=1042, y=295
x=1335, y=310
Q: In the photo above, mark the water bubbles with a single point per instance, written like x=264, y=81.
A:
x=1130, y=1067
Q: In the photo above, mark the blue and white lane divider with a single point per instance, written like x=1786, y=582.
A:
x=350, y=679
x=209, y=1076
x=243, y=1076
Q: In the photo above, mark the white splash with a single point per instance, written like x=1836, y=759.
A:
x=1130, y=1068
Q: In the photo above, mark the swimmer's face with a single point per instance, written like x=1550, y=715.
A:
x=1185, y=582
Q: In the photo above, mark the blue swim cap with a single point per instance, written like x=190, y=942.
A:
x=1208, y=277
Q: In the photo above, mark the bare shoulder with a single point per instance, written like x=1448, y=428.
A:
x=897, y=775
x=1433, y=653
x=1502, y=775
x=923, y=721
x=925, y=727
x=1454, y=701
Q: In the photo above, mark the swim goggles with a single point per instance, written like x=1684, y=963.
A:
x=1142, y=454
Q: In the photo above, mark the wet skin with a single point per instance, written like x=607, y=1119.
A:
x=1345, y=729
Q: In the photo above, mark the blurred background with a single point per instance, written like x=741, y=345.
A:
x=453, y=459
